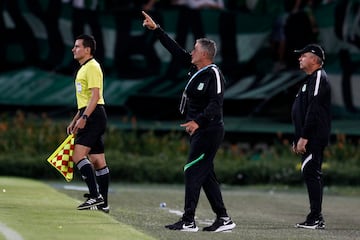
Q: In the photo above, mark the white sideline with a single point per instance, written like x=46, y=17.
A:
x=180, y=213
x=9, y=234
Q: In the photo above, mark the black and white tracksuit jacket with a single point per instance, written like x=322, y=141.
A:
x=311, y=111
x=205, y=90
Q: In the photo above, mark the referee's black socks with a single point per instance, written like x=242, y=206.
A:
x=103, y=180
x=86, y=169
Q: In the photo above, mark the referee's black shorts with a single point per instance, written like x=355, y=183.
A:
x=92, y=135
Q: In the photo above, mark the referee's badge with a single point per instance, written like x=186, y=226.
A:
x=200, y=86
x=303, y=88
x=78, y=87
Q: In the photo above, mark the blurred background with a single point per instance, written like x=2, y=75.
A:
x=143, y=84
x=255, y=38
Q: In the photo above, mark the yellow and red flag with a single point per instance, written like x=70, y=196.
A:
x=61, y=159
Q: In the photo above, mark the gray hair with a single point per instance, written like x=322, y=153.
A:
x=319, y=60
x=209, y=46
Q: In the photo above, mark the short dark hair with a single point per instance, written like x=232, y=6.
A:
x=88, y=41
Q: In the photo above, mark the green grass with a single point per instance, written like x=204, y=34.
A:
x=261, y=212
x=47, y=211
x=37, y=211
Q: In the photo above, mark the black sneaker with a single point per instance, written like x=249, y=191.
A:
x=220, y=225
x=100, y=208
x=90, y=202
x=105, y=209
x=312, y=224
x=183, y=226
x=87, y=195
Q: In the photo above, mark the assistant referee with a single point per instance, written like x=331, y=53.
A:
x=89, y=125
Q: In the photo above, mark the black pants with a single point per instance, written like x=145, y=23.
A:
x=199, y=172
x=311, y=171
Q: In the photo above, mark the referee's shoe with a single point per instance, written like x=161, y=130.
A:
x=102, y=207
x=91, y=202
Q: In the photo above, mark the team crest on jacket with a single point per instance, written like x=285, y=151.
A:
x=200, y=86
x=303, y=88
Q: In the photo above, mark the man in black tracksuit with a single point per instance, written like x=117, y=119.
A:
x=202, y=101
x=312, y=120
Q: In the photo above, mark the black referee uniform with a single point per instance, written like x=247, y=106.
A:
x=312, y=120
x=203, y=103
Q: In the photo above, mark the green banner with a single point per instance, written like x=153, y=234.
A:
x=33, y=87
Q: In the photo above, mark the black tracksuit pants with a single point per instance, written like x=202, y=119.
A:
x=199, y=172
x=311, y=171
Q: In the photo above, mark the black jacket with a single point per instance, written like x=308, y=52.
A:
x=311, y=111
x=204, y=90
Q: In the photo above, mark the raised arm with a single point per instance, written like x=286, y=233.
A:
x=170, y=44
x=148, y=21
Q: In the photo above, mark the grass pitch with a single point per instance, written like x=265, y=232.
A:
x=48, y=211
x=35, y=210
x=260, y=212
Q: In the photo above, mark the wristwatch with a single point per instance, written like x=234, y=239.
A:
x=84, y=116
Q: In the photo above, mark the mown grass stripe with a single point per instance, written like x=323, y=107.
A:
x=37, y=211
